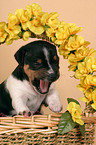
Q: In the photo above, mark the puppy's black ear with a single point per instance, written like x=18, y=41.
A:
x=19, y=55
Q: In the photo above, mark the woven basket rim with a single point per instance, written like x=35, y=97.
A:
x=43, y=124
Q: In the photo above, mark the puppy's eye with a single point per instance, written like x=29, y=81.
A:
x=39, y=61
x=55, y=59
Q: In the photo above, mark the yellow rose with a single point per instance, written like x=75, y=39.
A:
x=23, y=17
x=50, y=32
x=90, y=63
x=62, y=33
x=82, y=52
x=3, y=33
x=65, y=30
x=12, y=20
x=33, y=10
x=52, y=20
x=79, y=55
x=87, y=82
x=82, y=70
x=72, y=59
x=13, y=28
x=75, y=110
x=86, y=67
x=10, y=39
x=88, y=96
x=35, y=26
x=73, y=28
x=14, y=31
x=44, y=18
x=75, y=42
x=63, y=51
x=29, y=11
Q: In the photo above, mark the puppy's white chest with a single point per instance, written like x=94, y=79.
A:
x=34, y=102
x=24, y=96
x=32, y=98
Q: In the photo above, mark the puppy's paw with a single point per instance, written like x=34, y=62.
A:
x=26, y=113
x=55, y=106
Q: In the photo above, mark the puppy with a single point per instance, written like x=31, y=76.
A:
x=32, y=83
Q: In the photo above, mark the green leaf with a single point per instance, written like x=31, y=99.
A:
x=31, y=19
x=72, y=100
x=46, y=27
x=66, y=123
x=82, y=129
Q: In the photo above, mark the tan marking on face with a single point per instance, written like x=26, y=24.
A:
x=39, y=60
x=34, y=74
x=55, y=57
x=29, y=72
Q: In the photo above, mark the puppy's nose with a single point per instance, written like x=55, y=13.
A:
x=50, y=71
x=53, y=77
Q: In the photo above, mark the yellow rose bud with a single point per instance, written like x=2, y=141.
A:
x=26, y=35
x=50, y=32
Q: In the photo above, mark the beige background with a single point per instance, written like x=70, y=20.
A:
x=81, y=12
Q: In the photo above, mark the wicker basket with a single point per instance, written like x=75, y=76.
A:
x=42, y=130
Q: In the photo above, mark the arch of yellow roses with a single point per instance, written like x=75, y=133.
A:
x=33, y=22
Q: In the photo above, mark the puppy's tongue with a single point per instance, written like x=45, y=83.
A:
x=44, y=86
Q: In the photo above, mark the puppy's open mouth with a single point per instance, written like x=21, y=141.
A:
x=42, y=86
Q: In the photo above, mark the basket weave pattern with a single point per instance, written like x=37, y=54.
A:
x=42, y=129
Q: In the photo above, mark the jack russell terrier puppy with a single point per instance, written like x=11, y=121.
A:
x=32, y=83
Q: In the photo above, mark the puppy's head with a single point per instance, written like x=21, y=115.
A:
x=40, y=62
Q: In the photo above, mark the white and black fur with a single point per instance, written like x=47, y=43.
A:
x=31, y=83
